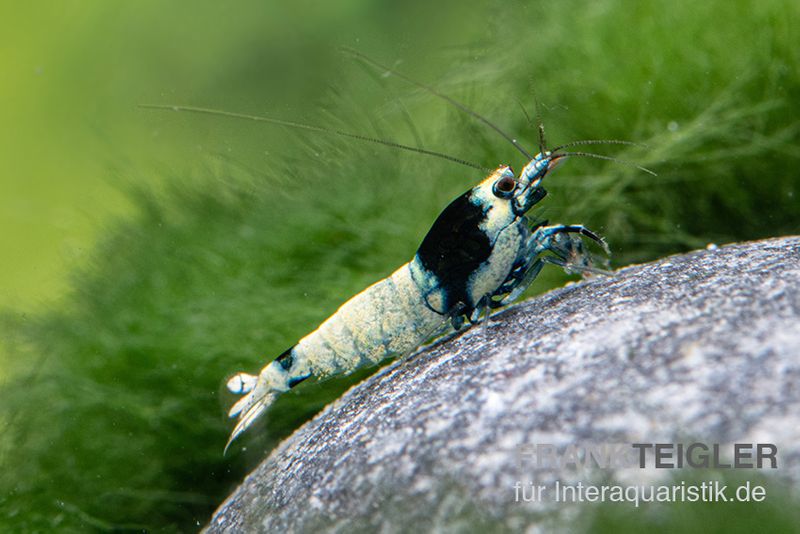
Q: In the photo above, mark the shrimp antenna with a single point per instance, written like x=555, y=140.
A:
x=524, y=112
x=607, y=158
x=543, y=144
x=531, y=124
x=540, y=127
x=302, y=126
x=599, y=142
x=539, y=124
x=436, y=93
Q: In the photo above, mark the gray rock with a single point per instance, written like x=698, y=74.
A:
x=698, y=347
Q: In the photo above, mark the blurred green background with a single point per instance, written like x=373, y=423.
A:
x=148, y=255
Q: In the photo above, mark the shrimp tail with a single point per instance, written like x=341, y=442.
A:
x=259, y=393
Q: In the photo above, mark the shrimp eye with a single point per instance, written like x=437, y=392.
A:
x=504, y=187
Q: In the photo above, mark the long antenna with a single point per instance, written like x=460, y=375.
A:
x=444, y=97
x=524, y=112
x=543, y=143
x=598, y=142
x=607, y=158
x=302, y=126
x=540, y=126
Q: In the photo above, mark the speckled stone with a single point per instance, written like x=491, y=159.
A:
x=703, y=346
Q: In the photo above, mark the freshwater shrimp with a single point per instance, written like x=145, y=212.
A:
x=482, y=252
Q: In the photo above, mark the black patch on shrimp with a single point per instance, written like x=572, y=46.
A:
x=286, y=360
x=296, y=380
x=455, y=248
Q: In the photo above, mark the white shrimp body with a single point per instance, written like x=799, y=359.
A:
x=387, y=318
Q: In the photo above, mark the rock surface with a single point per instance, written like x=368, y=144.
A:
x=698, y=347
